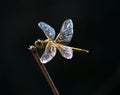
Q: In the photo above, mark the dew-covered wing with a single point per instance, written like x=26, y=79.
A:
x=66, y=51
x=66, y=32
x=47, y=29
x=49, y=53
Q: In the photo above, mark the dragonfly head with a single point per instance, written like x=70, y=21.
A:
x=39, y=43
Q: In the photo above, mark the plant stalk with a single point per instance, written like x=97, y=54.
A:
x=44, y=70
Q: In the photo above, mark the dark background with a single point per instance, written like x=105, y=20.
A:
x=96, y=27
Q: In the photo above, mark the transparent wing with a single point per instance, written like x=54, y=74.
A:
x=66, y=32
x=66, y=51
x=47, y=29
x=49, y=53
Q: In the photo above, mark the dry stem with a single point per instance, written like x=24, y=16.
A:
x=44, y=70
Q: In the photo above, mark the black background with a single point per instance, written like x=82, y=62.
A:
x=96, y=28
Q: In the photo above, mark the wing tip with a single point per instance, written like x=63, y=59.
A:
x=43, y=62
x=69, y=20
x=40, y=24
x=69, y=57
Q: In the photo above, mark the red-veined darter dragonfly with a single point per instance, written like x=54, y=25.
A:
x=60, y=42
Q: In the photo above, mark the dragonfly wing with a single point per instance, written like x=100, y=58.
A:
x=49, y=53
x=66, y=32
x=66, y=51
x=47, y=29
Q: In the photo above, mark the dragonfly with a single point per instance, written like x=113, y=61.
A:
x=52, y=44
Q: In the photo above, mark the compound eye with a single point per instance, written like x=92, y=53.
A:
x=38, y=43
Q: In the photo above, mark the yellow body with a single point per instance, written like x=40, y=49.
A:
x=57, y=45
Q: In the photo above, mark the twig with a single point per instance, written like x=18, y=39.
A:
x=44, y=70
